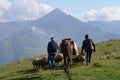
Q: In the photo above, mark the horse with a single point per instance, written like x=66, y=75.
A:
x=67, y=49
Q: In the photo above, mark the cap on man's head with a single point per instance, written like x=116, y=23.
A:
x=52, y=38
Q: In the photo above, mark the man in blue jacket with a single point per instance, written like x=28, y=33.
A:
x=52, y=49
x=89, y=46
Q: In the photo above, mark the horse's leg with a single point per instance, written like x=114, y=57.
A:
x=69, y=53
x=81, y=63
x=69, y=60
x=64, y=63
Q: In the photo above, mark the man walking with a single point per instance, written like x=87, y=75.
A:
x=89, y=46
x=52, y=49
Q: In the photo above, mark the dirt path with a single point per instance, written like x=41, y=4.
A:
x=68, y=76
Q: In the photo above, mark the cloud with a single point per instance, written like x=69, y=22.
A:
x=105, y=14
x=38, y=31
x=4, y=6
x=21, y=10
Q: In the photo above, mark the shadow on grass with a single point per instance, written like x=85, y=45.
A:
x=117, y=57
x=29, y=78
x=38, y=70
x=97, y=65
x=29, y=74
x=28, y=71
x=32, y=74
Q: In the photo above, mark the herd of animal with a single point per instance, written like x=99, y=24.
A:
x=42, y=62
x=68, y=56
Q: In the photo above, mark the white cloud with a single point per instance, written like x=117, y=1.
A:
x=4, y=6
x=25, y=10
x=38, y=31
x=105, y=14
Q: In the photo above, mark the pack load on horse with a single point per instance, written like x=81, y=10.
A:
x=67, y=49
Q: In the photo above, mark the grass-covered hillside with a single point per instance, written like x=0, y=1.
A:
x=105, y=65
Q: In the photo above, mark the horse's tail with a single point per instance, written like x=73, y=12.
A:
x=69, y=55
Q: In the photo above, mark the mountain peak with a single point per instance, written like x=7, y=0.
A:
x=58, y=11
x=56, y=14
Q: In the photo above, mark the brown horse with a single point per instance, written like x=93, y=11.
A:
x=67, y=47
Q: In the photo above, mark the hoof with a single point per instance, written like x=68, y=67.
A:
x=65, y=70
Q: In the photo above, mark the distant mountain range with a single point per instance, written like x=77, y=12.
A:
x=112, y=27
x=29, y=38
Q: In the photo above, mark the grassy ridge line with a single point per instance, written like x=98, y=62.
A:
x=105, y=66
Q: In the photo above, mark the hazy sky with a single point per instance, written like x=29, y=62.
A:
x=85, y=10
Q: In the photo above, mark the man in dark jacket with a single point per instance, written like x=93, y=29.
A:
x=89, y=46
x=52, y=49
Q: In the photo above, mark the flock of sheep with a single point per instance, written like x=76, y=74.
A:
x=42, y=62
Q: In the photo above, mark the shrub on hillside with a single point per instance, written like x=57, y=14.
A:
x=97, y=65
x=109, y=44
x=107, y=53
x=117, y=57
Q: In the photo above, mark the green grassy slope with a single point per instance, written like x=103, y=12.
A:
x=104, y=66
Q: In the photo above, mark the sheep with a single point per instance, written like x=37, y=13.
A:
x=35, y=62
x=43, y=62
x=58, y=58
x=40, y=62
x=79, y=58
